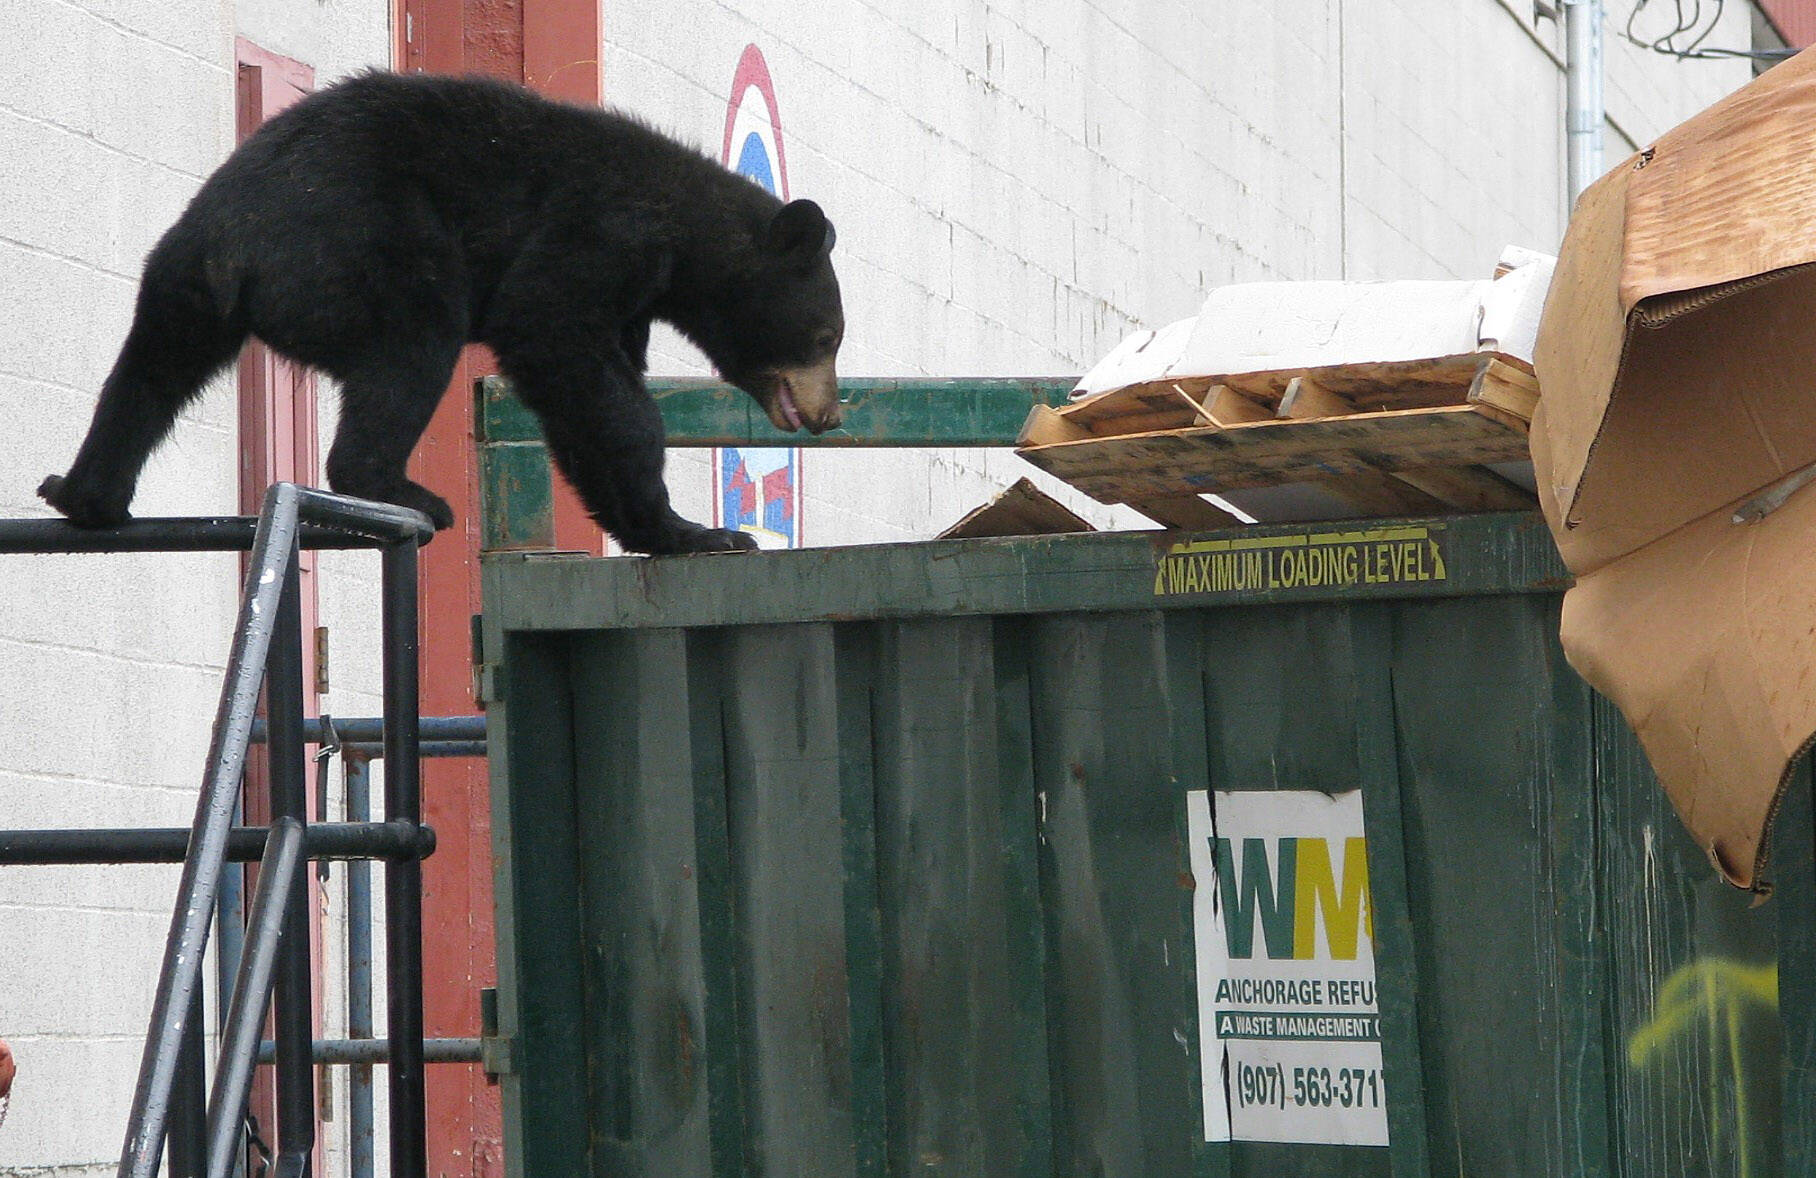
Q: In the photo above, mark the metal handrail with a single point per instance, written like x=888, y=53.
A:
x=251, y=994
x=291, y=517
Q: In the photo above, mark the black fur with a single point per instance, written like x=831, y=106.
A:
x=374, y=228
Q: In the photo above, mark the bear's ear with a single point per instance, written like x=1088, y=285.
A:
x=800, y=231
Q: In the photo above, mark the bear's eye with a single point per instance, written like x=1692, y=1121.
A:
x=826, y=341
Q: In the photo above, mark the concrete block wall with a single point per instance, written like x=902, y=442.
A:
x=1017, y=186
x=111, y=114
x=109, y=666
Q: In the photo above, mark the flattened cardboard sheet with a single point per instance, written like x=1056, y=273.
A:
x=1678, y=357
x=1021, y=510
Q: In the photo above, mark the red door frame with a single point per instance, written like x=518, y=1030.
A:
x=1795, y=20
x=278, y=441
x=552, y=45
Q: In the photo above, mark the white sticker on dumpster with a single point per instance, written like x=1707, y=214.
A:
x=1289, y=1025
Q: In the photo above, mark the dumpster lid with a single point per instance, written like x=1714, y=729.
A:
x=1675, y=352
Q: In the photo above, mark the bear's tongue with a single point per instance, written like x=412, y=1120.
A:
x=789, y=413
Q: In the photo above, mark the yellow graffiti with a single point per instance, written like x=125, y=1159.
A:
x=1712, y=993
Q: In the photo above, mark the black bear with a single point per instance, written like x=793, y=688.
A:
x=374, y=228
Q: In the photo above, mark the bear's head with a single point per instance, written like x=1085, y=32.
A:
x=786, y=323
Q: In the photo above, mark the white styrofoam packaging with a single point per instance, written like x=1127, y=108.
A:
x=1285, y=326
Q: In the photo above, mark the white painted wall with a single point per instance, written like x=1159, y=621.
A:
x=111, y=114
x=106, y=683
x=1018, y=185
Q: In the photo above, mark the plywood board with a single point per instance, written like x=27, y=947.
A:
x=1211, y=459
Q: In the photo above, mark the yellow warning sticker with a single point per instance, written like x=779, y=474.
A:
x=1310, y=560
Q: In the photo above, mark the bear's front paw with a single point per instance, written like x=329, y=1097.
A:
x=708, y=540
x=85, y=509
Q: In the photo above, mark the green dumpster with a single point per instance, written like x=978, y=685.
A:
x=1277, y=852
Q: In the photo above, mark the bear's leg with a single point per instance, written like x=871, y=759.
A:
x=605, y=433
x=385, y=406
x=178, y=340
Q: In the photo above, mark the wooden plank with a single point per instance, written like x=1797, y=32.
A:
x=1187, y=513
x=1506, y=388
x=1469, y=488
x=1369, y=492
x=1377, y=387
x=1045, y=426
x=1378, y=494
x=1199, y=415
x=1304, y=398
x=1226, y=406
x=1208, y=460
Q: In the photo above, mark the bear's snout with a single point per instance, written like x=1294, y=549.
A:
x=812, y=392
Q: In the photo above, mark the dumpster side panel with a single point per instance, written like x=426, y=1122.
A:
x=1794, y=898
x=1697, y=1037
x=645, y=990
x=1114, y=856
x=1283, y=710
x=876, y=861
x=958, y=879
x=541, y=999
x=1490, y=745
x=783, y=795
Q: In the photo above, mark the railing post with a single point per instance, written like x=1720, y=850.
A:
x=189, y=1100
x=403, y=879
x=251, y=994
x=196, y=890
x=276, y=950
x=293, y=1018
x=359, y=970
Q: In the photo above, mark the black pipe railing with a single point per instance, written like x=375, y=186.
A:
x=403, y=878
x=266, y=650
x=251, y=994
x=371, y=729
x=245, y=844
x=338, y=1052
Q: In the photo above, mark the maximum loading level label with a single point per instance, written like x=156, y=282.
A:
x=1307, y=560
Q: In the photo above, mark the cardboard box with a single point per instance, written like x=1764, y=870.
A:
x=1677, y=353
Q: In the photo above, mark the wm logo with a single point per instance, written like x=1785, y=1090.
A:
x=1293, y=891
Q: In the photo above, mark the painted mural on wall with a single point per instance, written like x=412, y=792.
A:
x=757, y=489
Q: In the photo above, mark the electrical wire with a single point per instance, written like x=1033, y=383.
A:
x=1691, y=24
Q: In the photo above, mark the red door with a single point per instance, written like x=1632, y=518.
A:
x=277, y=443
x=277, y=398
x=552, y=46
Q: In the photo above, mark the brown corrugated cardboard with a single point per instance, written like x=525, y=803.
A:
x=1022, y=510
x=1678, y=359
